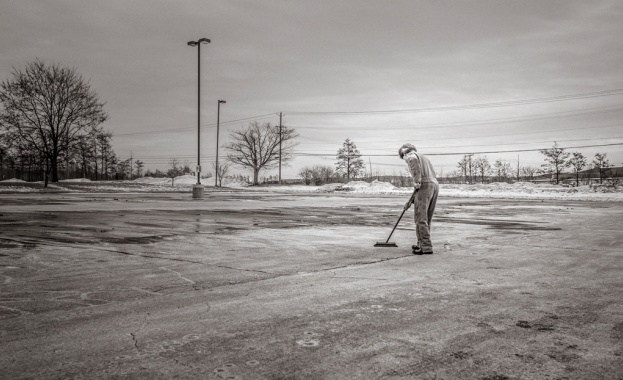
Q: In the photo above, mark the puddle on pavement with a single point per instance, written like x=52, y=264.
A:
x=7, y=245
x=145, y=227
x=498, y=224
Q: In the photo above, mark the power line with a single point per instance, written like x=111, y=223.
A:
x=307, y=154
x=471, y=106
x=553, y=115
x=488, y=136
x=464, y=153
x=535, y=117
x=193, y=128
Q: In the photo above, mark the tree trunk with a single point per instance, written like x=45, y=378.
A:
x=256, y=175
x=45, y=173
x=54, y=167
x=577, y=178
x=348, y=168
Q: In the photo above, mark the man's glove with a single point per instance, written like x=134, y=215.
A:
x=409, y=203
x=412, y=199
x=417, y=185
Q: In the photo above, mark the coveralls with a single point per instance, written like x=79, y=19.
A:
x=423, y=175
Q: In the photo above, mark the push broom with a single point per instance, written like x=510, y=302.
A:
x=387, y=243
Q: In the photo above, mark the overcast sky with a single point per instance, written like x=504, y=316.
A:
x=447, y=76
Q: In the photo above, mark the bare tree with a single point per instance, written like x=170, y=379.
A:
x=502, y=170
x=556, y=158
x=578, y=162
x=221, y=171
x=528, y=172
x=106, y=154
x=258, y=147
x=139, y=167
x=185, y=168
x=323, y=174
x=482, y=167
x=6, y=144
x=317, y=174
x=306, y=174
x=463, y=166
x=175, y=169
x=602, y=164
x=50, y=107
x=123, y=169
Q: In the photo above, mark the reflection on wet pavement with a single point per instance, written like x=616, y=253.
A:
x=144, y=227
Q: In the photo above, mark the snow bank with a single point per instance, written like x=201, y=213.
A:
x=375, y=187
x=233, y=182
x=525, y=190
x=154, y=181
x=518, y=190
x=75, y=180
x=13, y=180
x=183, y=180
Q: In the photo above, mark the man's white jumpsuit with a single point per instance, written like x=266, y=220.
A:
x=424, y=177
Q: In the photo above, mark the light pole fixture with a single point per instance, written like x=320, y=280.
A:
x=197, y=190
x=218, y=120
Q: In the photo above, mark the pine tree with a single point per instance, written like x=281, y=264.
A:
x=349, y=162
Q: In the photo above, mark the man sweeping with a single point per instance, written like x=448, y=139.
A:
x=425, y=182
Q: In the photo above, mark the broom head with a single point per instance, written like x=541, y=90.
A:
x=385, y=244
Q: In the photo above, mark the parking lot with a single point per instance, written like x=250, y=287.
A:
x=267, y=285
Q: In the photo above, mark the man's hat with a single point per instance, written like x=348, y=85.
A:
x=406, y=148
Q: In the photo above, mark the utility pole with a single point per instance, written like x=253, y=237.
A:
x=517, y=166
x=67, y=158
x=280, y=116
x=131, y=163
x=94, y=156
x=470, y=167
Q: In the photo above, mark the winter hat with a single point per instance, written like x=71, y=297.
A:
x=406, y=148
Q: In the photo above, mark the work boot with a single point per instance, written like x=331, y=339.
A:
x=418, y=251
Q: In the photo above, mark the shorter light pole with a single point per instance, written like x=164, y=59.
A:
x=218, y=120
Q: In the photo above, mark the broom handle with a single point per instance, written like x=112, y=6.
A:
x=411, y=200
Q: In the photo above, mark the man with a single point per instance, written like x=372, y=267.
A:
x=425, y=182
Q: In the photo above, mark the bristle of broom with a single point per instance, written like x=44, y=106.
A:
x=383, y=244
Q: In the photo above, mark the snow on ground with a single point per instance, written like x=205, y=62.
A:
x=75, y=180
x=518, y=190
x=13, y=180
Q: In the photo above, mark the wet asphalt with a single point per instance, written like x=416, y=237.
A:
x=259, y=285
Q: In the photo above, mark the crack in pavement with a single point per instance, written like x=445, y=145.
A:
x=16, y=310
x=361, y=278
x=135, y=341
x=145, y=291
x=359, y=263
x=276, y=275
x=134, y=334
x=178, y=275
x=41, y=242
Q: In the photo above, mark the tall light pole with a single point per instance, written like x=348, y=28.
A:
x=218, y=120
x=198, y=189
